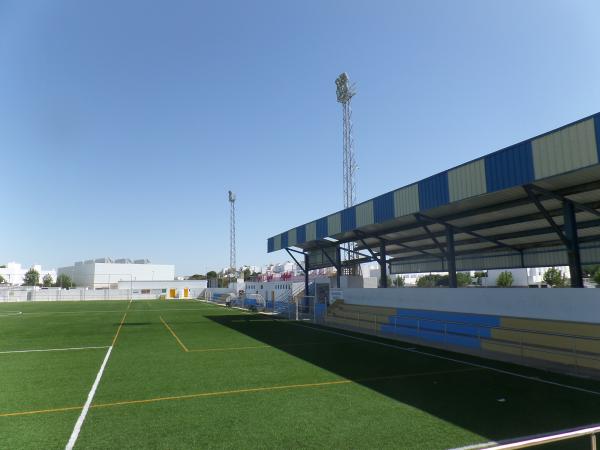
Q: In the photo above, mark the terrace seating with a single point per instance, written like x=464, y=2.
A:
x=535, y=342
x=359, y=317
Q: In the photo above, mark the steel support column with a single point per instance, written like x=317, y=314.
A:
x=383, y=281
x=306, y=269
x=451, y=257
x=570, y=228
x=338, y=269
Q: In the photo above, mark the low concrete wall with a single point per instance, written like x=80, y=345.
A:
x=50, y=295
x=577, y=305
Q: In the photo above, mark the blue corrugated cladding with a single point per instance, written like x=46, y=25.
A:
x=348, y=219
x=383, y=207
x=597, y=129
x=270, y=245
x=322, y=228
x=433, y=191
x=300, y=234
x=284, y=240
x=510, y=167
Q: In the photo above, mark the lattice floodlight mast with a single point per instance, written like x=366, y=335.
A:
x=345, y=91
x=232, y=264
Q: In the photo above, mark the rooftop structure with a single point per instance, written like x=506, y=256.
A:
x=106, y=272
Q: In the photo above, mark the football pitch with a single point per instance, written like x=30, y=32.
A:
x=185, y=374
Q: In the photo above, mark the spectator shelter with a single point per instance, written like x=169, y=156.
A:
x=533, y=204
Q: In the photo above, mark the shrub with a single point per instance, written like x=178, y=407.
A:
x=555, y=278
x=505, y=279
x=463, y=279
x=428, y=281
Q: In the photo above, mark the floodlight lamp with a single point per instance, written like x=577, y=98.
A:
x=344, y=90
x=231, y=196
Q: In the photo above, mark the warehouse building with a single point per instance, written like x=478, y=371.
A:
x=106, y=273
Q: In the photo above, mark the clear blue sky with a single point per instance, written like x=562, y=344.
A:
x=124, y=123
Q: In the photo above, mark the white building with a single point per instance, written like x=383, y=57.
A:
x=14, y=272
x=287, y=266
x=105, y=273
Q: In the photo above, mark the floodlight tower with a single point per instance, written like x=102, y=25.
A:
x=232, y=231
x=345, y=91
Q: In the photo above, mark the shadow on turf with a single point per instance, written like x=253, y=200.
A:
x=485, y=402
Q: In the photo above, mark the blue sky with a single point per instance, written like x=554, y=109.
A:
x=123, y=124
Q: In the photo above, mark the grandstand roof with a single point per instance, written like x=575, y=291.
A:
x=505, y=209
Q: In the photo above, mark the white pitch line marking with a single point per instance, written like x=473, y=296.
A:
x=52, y=349
x=86, y=407
x=482, y=366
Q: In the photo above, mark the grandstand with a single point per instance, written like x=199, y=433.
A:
x=532, y=204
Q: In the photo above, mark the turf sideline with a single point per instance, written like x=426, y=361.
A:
x=52, y=349
x=481, y=366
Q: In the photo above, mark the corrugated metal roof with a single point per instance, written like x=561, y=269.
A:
x=485, y=196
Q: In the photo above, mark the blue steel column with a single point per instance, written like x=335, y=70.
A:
x=306, y=274
x=383, y=281
x=573, y=245
x=450, y=257
x=338, y=269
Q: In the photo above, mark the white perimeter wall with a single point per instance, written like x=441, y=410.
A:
x=579, y=305
x=174, y=284
x=54, y=295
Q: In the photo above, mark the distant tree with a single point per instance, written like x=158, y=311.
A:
x=505, y=279
x=247, y=273
x=463, y=279
x=31, y=278
x=197, y=276
x=399, y=281
x=555, y=278
x=3, y=266
x=429, y=281
x=596, y=277
x=588, y=270
x=64, y=281
x=2, y=280
x=212, y=274
x=47, y=280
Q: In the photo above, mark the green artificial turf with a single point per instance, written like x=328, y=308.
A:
x=185, y=374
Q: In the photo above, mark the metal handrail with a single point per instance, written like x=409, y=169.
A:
x=549, y=438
